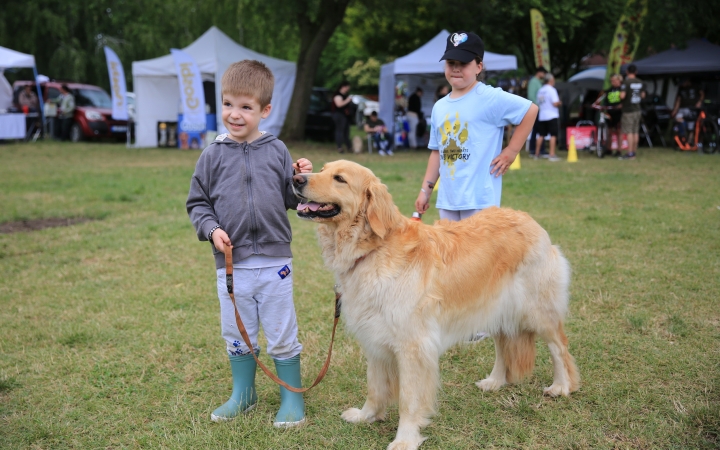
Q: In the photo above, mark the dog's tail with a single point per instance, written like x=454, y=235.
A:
x=518, y=353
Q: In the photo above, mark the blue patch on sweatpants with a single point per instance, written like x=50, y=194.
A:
x=285, y=271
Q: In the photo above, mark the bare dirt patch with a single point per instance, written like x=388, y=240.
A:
x=40, y=224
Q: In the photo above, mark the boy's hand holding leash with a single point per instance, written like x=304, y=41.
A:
x=220, y=240
x=302, y=166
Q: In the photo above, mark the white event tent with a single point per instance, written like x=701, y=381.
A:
x=423, y=68
x=11, y=59
x=158, y=95
x=12, y=126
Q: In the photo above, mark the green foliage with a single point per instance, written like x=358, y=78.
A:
x=66, y=37
x=364, y=73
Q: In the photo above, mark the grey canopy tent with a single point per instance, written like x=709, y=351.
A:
x=700, y=56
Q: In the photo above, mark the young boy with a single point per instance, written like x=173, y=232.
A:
x=239, y=197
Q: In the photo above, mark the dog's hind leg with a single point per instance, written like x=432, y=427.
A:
x=382, y=385
x=566, y=378
x=496, y=379
x=419, y=381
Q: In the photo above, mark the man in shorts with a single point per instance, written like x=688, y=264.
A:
x=633, y=91
x=548, y=117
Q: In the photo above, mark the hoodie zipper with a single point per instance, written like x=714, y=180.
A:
x=250, y=197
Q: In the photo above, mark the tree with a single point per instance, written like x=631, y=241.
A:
x=315, y=28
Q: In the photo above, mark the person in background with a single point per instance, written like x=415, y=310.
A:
x=548, y=117
x=533, y=87
x=633, y=91
x=441, y=91
x=28, y=99
x=689, y=97
x=380, y=135
x=414, y=114
x=340, y=108
x=612, y=100
x=66, y=111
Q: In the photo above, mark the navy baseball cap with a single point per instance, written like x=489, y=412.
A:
x=464, y=46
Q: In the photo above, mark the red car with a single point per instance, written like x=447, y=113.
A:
x=93, y=110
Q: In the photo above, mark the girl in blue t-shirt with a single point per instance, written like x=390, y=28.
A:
x=466, y=134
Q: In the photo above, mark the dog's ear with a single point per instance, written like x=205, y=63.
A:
x=379, y=208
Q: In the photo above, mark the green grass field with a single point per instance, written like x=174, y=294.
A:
x=110, y=338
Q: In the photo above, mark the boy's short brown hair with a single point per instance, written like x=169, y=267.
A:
x=251, y=78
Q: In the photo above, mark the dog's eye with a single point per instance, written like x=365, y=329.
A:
x=339, y=179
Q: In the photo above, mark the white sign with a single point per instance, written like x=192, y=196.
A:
x=192, y=96
x=117, y=85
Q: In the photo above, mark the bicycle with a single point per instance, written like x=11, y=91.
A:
x=602, y=137
x=701, y=135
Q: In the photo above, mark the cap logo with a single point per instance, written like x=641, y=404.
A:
x=458, y=39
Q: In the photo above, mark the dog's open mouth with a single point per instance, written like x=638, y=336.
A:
x=311, y=210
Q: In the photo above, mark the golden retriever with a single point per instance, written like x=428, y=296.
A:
x=410, y=291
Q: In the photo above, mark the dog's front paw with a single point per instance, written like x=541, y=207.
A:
x=557, y=390
x=490, y=384
x=354, y=415
x=406, y=445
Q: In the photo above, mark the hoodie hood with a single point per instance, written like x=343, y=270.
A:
x=265, y=138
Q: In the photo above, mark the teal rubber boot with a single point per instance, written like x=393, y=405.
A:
x=244, y=396
x=292, y=405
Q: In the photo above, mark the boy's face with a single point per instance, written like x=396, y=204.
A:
x=461, y=75
x=241, y=116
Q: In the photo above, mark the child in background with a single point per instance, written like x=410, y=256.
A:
x=239, y=197
x=466, y=134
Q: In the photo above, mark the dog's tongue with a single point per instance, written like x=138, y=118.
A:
x=312, y=205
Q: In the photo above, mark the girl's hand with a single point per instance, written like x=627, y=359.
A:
x=302, y=166
x=221, y=240
x=502, y=162
x=422, y=203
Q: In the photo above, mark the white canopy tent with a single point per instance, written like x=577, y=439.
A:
x=423, y=68
x=11, y=59
x=157, y=92
x=13, y=126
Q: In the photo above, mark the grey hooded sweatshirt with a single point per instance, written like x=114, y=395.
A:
x=246, y=189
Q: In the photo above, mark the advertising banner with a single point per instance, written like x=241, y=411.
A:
x=117, y=85
x=626, y=38
x=541, y=49
x=192, y=96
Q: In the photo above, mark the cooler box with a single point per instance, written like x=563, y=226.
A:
x=584, y=136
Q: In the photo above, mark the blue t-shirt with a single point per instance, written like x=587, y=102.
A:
x=468, y=132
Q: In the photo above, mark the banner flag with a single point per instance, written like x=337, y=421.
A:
x=541, y=49
x=117, y=85
x=192, y=95
x=626, y=38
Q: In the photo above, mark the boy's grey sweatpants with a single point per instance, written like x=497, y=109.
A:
x=264, y=297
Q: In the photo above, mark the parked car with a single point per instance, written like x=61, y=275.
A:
x=319, y=124
x=93, y=110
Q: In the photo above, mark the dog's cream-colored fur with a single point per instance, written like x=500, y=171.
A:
x=412, y=290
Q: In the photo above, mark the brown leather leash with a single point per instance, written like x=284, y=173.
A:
x=246, y=338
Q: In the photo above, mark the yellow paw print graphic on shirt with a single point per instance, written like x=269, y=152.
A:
x=453, y=137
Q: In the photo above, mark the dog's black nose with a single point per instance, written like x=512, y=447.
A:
x=299, y=180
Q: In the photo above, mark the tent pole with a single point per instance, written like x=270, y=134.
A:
x=41, y=103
